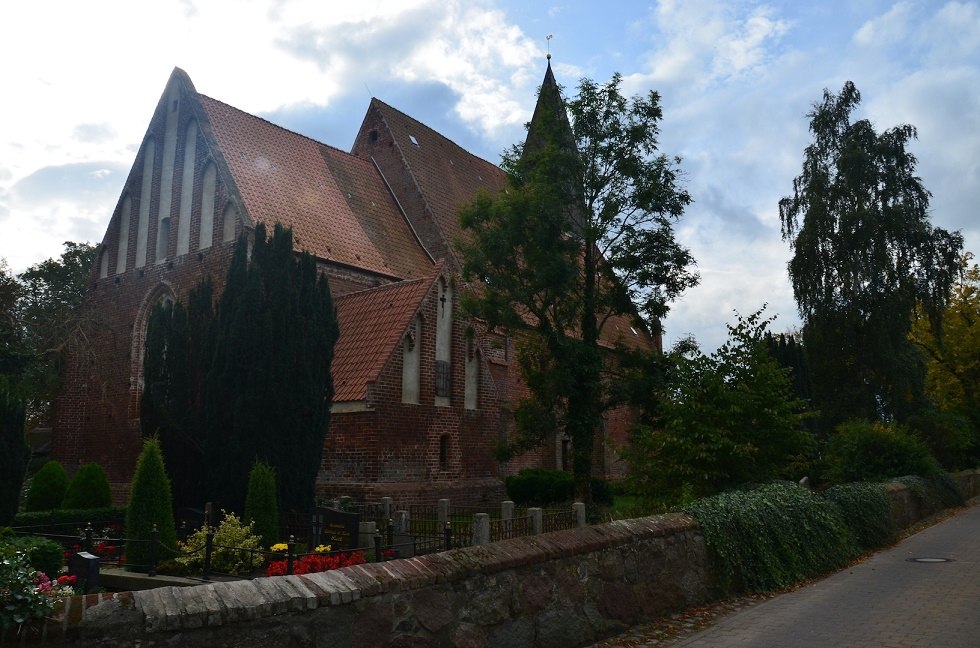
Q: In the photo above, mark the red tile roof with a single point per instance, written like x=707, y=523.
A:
x=372, y=323
x=447, y=175
x=336, y=203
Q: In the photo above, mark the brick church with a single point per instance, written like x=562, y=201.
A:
x=422, y=396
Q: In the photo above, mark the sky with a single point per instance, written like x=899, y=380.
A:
x=736, y=80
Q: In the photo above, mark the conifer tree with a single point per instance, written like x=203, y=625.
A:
x=269, y=390
x=150, y=505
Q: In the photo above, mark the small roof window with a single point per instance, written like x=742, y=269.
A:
x=413, y=140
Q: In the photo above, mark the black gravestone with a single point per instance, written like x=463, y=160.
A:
x=339, y=529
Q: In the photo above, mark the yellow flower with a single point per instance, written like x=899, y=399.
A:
x=282, y=546
x=322, y=549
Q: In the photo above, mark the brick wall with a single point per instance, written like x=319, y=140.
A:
x=393, y=448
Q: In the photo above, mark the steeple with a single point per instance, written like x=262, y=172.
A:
x=550, y=118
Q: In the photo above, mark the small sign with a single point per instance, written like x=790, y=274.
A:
x=339, y=529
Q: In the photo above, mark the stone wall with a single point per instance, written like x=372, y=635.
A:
x=566, y=588
x=558, y=589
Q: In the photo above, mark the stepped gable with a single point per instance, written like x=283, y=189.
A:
x=337, y=204
x=446, y=175
x=372, y=322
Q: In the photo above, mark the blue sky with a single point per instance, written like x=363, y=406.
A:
x=736, y=78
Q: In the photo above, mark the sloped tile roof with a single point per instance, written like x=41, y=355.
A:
x=336, y=203
x=371, y=323
x=447, y=175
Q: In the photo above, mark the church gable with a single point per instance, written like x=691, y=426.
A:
x=428, y=171
x=175, y=201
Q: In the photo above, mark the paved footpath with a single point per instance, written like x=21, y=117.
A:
x=889, y=600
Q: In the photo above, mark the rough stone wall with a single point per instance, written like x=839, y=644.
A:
x=562, y=589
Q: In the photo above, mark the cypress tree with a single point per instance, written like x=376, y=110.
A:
x=269, y=390
x=260, y=503
x=150, y=504
x=174, y=366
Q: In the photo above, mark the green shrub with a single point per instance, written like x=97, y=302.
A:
x=538, y=486
x=42, y=554
x=149, y=504
x=771, y=537
x=89, y=489
x=862, y=451
x=260, y=503
x=20, y=601
x=66, y=521
x=232, y=539
x=866, y=510
x=602, y=492
x=47, y=488
x=936, y=492
x=951, y=438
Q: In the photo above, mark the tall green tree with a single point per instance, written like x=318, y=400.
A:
x=953, y=380
x=54, y=324
x=14, y=454
x=726, y=419
x=268, y=391
x=150, y=505
x=583, y=232
x=175, y=366
x=864, y=258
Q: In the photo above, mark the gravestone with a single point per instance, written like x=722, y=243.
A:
x=339, y=529
x=85, y=567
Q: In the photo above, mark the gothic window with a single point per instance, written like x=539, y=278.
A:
x=207, y=207
x=444, y=452
x=471, y=378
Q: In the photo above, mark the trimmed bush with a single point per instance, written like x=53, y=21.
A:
x=149, y=504
x=866, y=510
x=42, y=554
x=771, y=537
x=67, y=521
x=261, y=508
x=538, y=486
x=230, y=538
x=862, y=451
x=47, y=488
x=89, y=489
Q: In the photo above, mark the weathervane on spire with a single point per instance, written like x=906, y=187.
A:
x=550, y=36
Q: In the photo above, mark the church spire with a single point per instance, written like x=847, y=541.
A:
x=550, y=118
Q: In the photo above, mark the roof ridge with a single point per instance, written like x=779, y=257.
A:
x=439, y=134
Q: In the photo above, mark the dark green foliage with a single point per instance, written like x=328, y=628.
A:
x=602, y=492
x=865, y=257
x=55, y=324
x=771, y=537
x=150, y=505
x=14, y=454
x=89, y=489
x=269, y=389
x=47, y=488
x=866, y=510
x=56, y=521
x=950, y=436
x=539, y=486
x=43, y=554
x=174, y=370
x=583, y=232
x=261, y=508
x=938, y=491
x=861, y=451
x=726, y=419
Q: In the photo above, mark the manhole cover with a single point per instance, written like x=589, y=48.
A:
x=930, y=560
